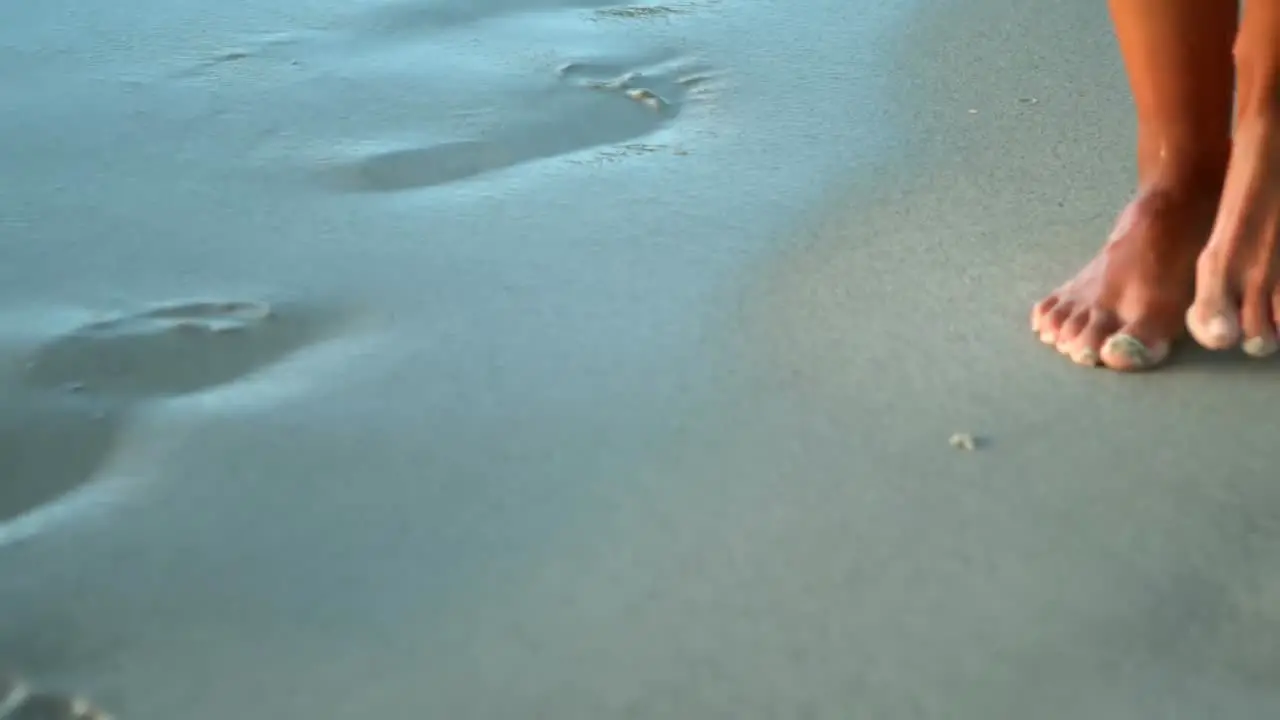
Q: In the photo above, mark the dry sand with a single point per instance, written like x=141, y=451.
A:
x=553, y=359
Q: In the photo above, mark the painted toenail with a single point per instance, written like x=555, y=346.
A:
x=1260, y=346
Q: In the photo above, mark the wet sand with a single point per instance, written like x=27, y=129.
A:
x=557, y=359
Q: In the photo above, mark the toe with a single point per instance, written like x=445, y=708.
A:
x=1086, y=347
x=1051, y=323
x=1070, y=330
x=1213, y=319
x=1042, y=309
x=1214, y=324
x=1136, y=346
x=1257, y=325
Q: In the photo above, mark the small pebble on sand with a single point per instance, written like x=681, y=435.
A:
x=964, y=441
x=647, y=97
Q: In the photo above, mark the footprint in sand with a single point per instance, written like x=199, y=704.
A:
x=591, y=105
x=415, y=15
x=171, y=349
x=59, y=426
x=50, y=447
x=411, y=15
x=18, y=702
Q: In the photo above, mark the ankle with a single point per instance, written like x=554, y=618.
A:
x=1184, y=181
x=1183, y=164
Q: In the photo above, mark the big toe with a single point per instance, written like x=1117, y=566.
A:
x=1214, y=317
x=1214, y=324
x=1137, y=346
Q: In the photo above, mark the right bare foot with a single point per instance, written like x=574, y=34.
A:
x=1127, y=306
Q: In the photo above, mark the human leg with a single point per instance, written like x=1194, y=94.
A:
x=1128, y=305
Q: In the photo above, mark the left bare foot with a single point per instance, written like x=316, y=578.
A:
x=1237, y=294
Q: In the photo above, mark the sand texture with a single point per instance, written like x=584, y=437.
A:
x=515, y=359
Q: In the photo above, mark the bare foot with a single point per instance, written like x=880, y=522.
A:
x=1237, y=300
x=1126, y=307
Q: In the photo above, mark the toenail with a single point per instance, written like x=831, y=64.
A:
x=1260, y=346
x=1133, y=350
x=1048, y=337
x=1126, y=346
x=1220, y=328
x=1086, y=356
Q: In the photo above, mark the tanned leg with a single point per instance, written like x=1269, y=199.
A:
x=1127, y=306
x=1236, y=280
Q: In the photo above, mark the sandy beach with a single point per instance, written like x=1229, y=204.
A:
x=513, y=359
